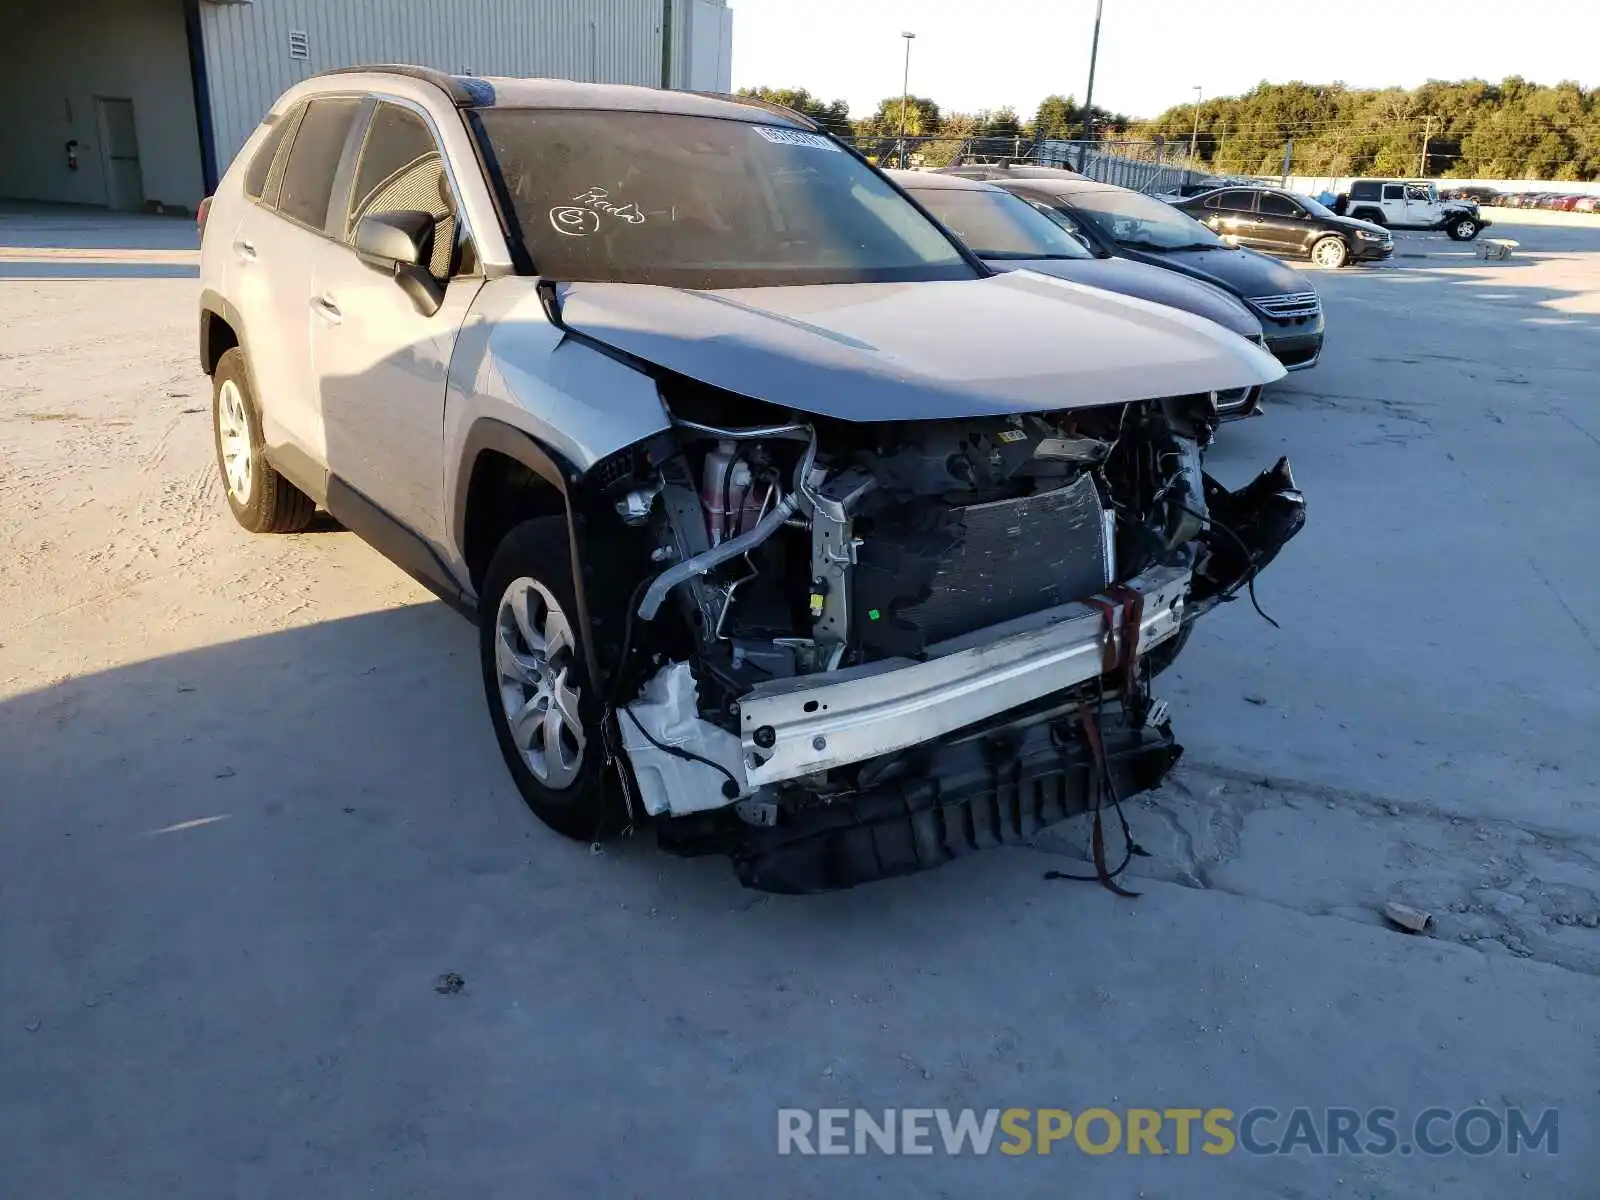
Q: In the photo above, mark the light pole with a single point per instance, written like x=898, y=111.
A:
x=1094, y=53
x=1194, y=137
x=905, y=98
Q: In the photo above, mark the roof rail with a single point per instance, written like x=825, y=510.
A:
x=461, y=92
x=755, y=102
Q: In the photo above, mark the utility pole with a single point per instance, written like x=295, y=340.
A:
x=1094, y=53
x=1288, y=161
x=905, y=98
x=1194, y=137
x=1422, y=161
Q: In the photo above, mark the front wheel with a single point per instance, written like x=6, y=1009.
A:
x=1463, y=229
x=1330, y=253
x=545, y=712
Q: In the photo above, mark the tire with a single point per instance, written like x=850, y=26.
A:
x=555, y=757
x=1463, y=229
x=261, y=500
x=1373, y=216
x=1330, y=252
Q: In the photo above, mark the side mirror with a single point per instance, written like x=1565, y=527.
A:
x=400, y=244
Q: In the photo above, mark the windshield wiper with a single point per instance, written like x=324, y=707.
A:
x=1140, y=244
x=1015, y=255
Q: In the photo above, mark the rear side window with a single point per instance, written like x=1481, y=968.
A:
x=314, y=159
x=1393, y=191
x=260, y=172
x=401, y=170
x=1233, y=201
x=1274, y=205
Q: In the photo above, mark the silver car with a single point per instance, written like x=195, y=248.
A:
x=784, y=520
x=1010, y=234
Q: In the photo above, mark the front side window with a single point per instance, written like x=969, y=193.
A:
x=314, y=159
x=634, y=197
x=1419, y=193
x=401, y=170
x=998, y=225
x=1141, y=222
x=1274, y=205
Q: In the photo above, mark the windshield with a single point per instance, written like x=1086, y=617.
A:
x=998, y=225
x=631, y=197
x=1141, y=222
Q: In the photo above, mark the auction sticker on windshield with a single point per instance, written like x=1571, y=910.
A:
x=795, y=137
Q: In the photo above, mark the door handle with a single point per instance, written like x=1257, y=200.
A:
x=245, y=250
x=327, y=309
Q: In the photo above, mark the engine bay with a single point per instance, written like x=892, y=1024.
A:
x=802, y=550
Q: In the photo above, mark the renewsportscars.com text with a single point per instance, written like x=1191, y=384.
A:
x=1159, y=1131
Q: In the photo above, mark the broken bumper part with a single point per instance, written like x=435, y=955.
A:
x=813, y=723
x=973, y=795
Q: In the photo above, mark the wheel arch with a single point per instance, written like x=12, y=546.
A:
x=508, y=476
x=221, y=329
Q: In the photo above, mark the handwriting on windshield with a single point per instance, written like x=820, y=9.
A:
x=600, y=200
x=574, y=222
x=582, y=216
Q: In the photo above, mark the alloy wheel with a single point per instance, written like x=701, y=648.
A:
x=233, y=429
x=533, y=648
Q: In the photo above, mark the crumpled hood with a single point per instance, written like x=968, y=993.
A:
x=1129, y=278
x=1009, y=343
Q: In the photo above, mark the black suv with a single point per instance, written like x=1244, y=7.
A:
x=1288, y=223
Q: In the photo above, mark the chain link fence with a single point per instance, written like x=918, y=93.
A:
x=1153, y=167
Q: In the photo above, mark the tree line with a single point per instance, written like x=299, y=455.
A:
x=1056, y=117
x=1466, y=129
x=1469, y=129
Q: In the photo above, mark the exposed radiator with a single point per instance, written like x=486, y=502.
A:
x=936, y=572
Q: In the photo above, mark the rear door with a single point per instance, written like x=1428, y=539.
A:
x=274, y=249
x=1232, y=213
x=381, y=363
x=1281, y=224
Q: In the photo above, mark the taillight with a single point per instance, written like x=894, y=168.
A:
x=200, y=215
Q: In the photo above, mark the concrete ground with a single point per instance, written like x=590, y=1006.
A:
x=251, y=813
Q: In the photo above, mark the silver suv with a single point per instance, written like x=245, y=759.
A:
x=784, y=521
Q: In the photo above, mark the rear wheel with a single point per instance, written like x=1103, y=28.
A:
x=261, y=500
x=545, y=712
x=1330, y=252
x=1463, y=229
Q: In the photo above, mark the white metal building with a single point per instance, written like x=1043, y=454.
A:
x=131, y=104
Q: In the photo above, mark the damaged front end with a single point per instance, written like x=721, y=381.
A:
x=863, y=649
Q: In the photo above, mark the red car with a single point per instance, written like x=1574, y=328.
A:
x=1587, y=204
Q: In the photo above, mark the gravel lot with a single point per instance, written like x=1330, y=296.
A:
x=251, y=811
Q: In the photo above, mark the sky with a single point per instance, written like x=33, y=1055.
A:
x=974, y=54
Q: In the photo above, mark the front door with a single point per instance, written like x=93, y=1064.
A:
x=1394, y=205
x=382, y=364
x=119, y=154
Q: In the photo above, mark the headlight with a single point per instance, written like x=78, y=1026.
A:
x=1371, y=237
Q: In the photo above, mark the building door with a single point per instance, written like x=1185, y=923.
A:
x=119, y=154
